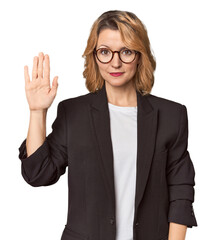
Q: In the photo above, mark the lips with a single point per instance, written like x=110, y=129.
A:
x=116, y=74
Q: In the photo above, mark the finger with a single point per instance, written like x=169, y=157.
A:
x=26, y=74
x=53, y=90
x=47, y=68
x=40, y=65
x=35, y=68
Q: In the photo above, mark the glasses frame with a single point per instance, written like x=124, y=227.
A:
x=113, y=52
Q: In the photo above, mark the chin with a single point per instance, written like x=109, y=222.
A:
x=116, y=82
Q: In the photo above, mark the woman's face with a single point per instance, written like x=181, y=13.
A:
x=112, y=39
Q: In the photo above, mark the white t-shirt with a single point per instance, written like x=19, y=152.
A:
x=123, y=125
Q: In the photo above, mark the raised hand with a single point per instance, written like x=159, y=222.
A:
x=38, y=92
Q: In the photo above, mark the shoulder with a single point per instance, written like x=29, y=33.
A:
x=157, y=101
x=172, y=116
x=165, y=105
x=76, y=102
x=171, y=112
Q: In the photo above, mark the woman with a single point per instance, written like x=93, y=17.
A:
x=130, y=175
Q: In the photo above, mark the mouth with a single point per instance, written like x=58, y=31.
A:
x=116, y=74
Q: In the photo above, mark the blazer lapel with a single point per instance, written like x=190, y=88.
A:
x=146, y=133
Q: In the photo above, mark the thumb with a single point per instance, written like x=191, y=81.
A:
x=54, y=86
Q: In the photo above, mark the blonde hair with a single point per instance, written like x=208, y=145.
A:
x=134, y=35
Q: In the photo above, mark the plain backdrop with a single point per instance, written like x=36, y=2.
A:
x=182, y=36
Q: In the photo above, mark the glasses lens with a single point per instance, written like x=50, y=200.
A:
x=104, y=55
x=127, y=55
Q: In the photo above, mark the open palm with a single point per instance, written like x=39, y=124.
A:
x=39, y=94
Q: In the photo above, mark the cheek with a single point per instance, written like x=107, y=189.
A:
x=102, y=67
x=132, y=68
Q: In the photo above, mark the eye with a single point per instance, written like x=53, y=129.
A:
x=104, y=51
x=127, y=52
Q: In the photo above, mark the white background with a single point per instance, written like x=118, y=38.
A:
x=183, y=39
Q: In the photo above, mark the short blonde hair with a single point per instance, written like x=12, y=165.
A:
x=134, y=35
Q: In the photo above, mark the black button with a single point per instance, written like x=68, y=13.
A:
x=112, y=221
x=136, y=223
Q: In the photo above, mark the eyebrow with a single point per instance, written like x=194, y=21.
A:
x=109, y=47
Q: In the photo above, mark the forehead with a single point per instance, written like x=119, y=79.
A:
x=110, y=38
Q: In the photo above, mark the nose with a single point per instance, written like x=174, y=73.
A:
x=116, y=62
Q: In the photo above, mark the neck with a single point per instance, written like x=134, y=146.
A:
x=124, y=96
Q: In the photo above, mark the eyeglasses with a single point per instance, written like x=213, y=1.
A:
x=105, y=55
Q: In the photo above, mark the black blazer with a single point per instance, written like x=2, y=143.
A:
x=81, y=140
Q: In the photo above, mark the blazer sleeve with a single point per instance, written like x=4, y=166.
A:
x=180, y=177
x=45, y=166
